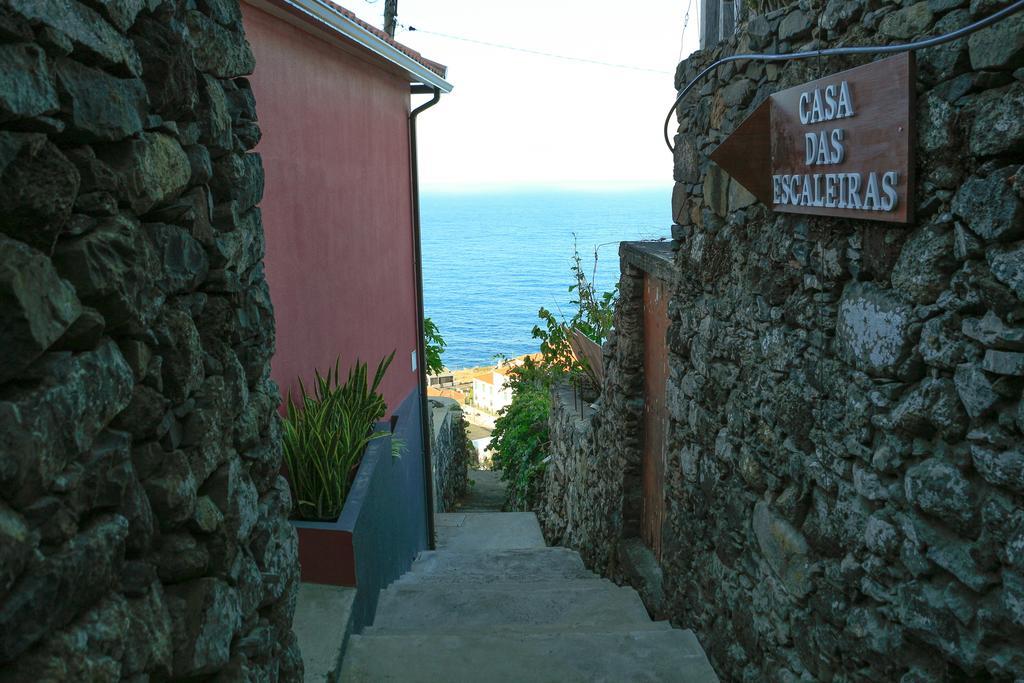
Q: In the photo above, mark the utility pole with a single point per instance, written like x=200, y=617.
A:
x=390, y=12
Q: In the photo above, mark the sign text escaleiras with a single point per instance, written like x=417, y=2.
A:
x=838, y=146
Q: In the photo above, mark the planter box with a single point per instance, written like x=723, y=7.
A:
x=383, y=524
x=326, y=550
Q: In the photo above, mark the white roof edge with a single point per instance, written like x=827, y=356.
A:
x=327, y=15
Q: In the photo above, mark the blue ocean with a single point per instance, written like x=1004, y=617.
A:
x=491, y=260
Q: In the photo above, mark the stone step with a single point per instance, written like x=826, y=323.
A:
x=669, y=656
x=535, y=564
x=438, y=609
x=519, y=628
x=487, y=531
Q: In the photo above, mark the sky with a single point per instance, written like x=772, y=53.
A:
x=521, y=120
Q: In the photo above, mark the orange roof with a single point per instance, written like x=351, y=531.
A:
x=447, y=393
x=439, y=69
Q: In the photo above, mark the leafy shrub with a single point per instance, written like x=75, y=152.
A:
x=433, y=347
x=592, y=316
x=325, y=440
x=520, y=442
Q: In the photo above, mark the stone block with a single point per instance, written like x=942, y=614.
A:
x=183, y=261
x=171, y=488
x=998, y=125
x=931, y=407
x=26, y=88
x=939, y=63
x=86, y=30
x=784, y=548
x=17, y=546
x=43, y=427
x=205, y=616
x=992, y=332
x=716, y=186
x=113, y=268
x=874, y=329
x=219, y=51
x=796, y=24
x=1000, y=47
x=88, y=649
x=36, y=306
x=151, y=169
x=180, y=557
x=941, y=345
x=57, y=587
x=687, y=160
x=172, y=80
x=1001, y=468
x=1004, y=362
x=182, y=353
x=942, y=491
x=990, y=207
x=906, y=23
x=926, y=261
x=98, y=106
x=974, y=389
x=238, y=178
x=231, y=489
x=148, y=644
x=38, y=186
x=1007, y=264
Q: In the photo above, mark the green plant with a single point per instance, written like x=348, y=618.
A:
x=433, y=346
x=325, y=439
x=592, y=315
x=520, y=438
x=520, y=442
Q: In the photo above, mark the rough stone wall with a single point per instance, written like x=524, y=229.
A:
x=845, y=471
x=143, y=524
x=591, y=490
x=450, y=453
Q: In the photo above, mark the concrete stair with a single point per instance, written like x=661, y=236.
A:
x=529, y=613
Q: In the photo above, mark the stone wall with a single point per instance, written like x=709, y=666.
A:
x=450, y=452
x=591, y=489
x=143, y=524
x=845, y=477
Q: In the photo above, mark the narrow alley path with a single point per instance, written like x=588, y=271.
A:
x=493, y=603
x=486, y=492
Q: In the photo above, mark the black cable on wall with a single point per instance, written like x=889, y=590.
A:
x=857, y=50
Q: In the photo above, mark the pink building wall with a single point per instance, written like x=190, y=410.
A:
x=336, y=209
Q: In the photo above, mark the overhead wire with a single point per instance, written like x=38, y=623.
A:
x=682, y=35
x=538, y=53
x=854, y=50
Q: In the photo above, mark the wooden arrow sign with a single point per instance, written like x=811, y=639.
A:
x=842, y=145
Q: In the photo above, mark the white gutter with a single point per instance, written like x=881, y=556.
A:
x=339, y=23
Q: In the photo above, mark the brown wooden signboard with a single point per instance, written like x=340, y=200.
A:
x=842, y=145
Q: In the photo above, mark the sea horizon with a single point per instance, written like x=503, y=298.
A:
x=493, y=257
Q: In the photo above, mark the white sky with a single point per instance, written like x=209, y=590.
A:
x=521, y=119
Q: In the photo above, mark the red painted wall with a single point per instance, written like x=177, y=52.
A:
x=336, y=209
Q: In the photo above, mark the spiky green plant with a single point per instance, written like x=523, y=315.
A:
x=325, y=439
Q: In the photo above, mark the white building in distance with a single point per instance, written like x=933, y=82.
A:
x=491, y=391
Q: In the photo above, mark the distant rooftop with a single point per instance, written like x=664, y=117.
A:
x=440, y=69
x=320, y=16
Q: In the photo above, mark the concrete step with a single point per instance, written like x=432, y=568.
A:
x=669, y=656
x=478, y=531
x=438, y=609
x=518, y=629
x=535, y=564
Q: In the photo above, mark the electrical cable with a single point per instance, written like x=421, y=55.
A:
x=855, y=50
x=682, y=36
x=537, y=52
